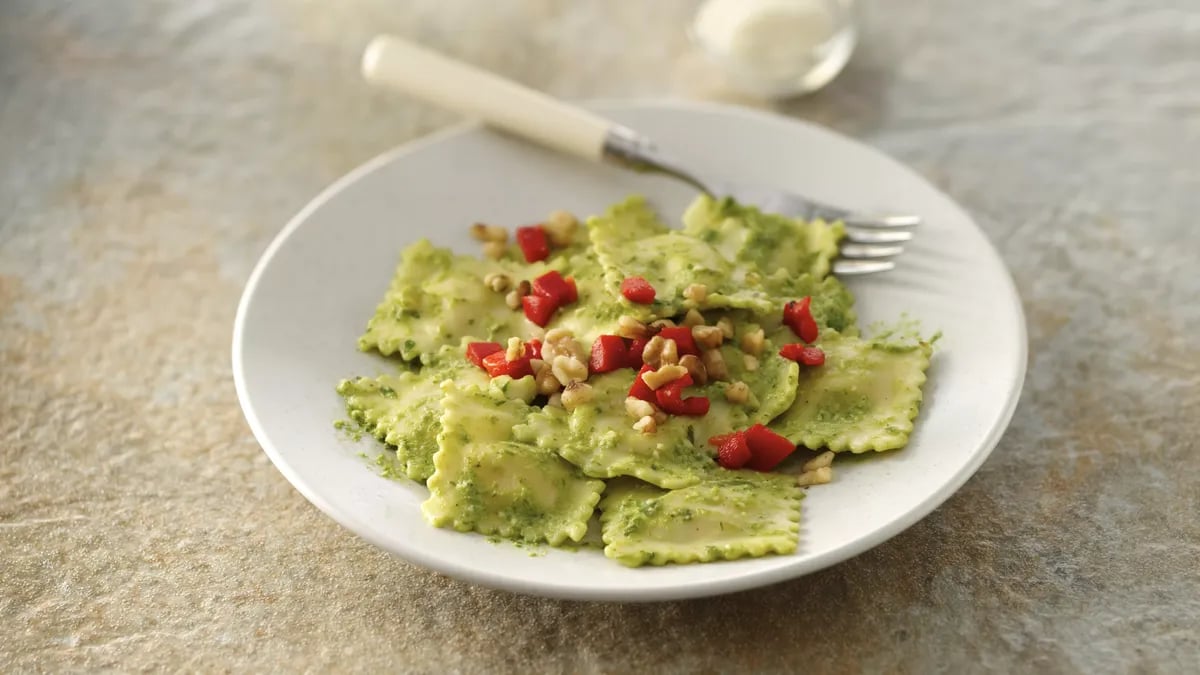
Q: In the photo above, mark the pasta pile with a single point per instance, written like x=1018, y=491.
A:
x=501, y=461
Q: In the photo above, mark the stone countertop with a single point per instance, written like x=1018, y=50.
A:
x=150, y=150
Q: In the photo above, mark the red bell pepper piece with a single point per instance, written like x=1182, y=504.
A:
x=767, y=448
x=670, y=398
x=634, y=354
x=533, y=349
x=497, y=364
x=695, y=406
x=637, y=289
x=734, y=452
x=682, y=335
x=533, y=243
x=538, y=309
x=812, y=356
x=798, y=316
x=476, y=351
x=640, y=389
x=609, y=353
x=552, y=285
x=720, y=439
x=802, y=353
x=791, y=351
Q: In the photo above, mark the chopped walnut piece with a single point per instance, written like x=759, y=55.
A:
x=714, y=364
x=489, y=233
x=695, y=368
x=576, y=394
x=752, y=342
x=737, y=392
x=696, y=292
x=667, y=373
x=815, y=477
x=708, y=337
x=629, y=327
x=646, y=425
x=822, y=460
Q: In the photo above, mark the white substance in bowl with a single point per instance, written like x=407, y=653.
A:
x=770, y=45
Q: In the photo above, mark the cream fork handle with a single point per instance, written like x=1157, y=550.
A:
x=457, y=86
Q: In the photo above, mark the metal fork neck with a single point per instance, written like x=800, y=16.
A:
x=629, y=149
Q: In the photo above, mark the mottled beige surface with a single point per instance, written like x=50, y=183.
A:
x=150, y=150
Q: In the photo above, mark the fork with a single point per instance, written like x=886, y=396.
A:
x=871, y=241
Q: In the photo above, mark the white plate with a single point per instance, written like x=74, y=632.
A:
x=318, y=282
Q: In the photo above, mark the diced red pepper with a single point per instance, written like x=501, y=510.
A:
x=532, y=240
x=519, y=368
x=792, y=351
x=734, y=452
x=684, y=380
x=533, y=349
x=640, y=389
x=802, y=353
x=609, y=353
x=798, y=316
x=720, y=439
x=670, y=398
x=637, y=289
x=812, y=356
x=552, y=285
x=476, y=351
x=497, y=364
x=538, y=309
x=682, y=335
x=767, y=447
x=634, y=354
x=695, y=406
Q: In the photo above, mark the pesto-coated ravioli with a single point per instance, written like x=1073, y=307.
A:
x=502, y=461
x=439, y=298
x=743, y=258
x=735, y=514
x=766, y=242
x=488, y=483
x=865, y=397
x=599, y=438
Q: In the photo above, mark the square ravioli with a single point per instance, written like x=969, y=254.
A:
x=439, y=298
x=486, y=482
x=736, y=514
x=865, y=397
x=600, y=439
x=743, y=259
x=404, y=409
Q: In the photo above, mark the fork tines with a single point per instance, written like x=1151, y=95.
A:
x=872, y=242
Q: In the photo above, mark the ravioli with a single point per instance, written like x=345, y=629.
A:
x=596, y=311
x=404, y=409
x=599, y=438
x=486, y=482
x=766, y=242
x=630, y=240
x=772, y=389
x=865, y=397
x=501, y=461
x=437, y=298
x=736, y=514
x=744, y=259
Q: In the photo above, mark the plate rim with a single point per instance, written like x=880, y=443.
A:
x=550, y=588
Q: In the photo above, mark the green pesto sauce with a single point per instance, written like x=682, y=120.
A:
x=389, y=467
x=753, y=261
x=349, y=428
